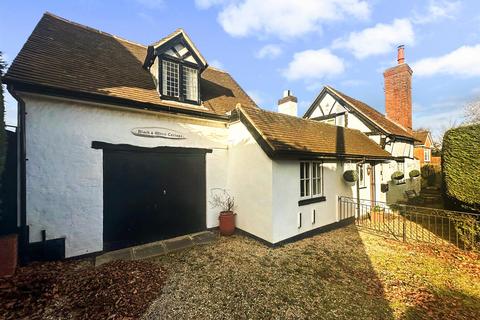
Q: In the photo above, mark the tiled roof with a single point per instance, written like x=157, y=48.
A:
x=284, y=134
x=375, y=116
x=420, y=137
x=65, y=55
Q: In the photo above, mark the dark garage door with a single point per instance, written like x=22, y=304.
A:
x=152, y=195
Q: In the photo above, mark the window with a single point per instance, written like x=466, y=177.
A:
x=304, y=179
x=426, y=155
x=179, y=81
x=311, y=175
x=362, y=176
x=171, y=82
x=190, y=83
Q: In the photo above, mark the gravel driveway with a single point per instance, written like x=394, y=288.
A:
x=324, y=277
x=342, y=274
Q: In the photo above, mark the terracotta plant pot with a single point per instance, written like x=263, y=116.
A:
x=8, y=254
x=227, y=223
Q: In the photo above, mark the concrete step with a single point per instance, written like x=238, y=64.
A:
x=157, y=248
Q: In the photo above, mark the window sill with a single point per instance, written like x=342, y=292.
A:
x=311, y=200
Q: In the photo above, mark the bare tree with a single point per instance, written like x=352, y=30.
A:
x=472, y=111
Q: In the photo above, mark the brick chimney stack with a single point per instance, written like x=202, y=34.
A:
x=398, y=92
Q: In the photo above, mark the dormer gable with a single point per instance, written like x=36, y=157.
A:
x=176, y=65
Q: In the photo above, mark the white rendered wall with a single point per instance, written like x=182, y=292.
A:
x=286, y=193
x=65, y=175
x=250, y=182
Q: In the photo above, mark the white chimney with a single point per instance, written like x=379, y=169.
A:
x=288, y=104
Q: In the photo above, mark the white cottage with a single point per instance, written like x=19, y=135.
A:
x=121, y=144
x=393, y=131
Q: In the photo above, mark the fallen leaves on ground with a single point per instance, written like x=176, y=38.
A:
x=77, y=290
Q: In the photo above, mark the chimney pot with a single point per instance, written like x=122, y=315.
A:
x=401, y=54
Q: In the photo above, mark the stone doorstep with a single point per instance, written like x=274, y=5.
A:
x=157, y=248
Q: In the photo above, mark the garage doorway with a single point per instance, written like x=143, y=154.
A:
x=150, y=194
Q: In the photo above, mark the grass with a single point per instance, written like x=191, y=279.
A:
x=342, y=274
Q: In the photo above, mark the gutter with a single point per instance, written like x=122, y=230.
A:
x=22, y=164
x=99, y=98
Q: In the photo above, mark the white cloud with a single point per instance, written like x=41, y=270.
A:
x=270, y=51
x=437, y=10
x=286, y=18
x=314, y=65
x=216, y=63
x=205, y=4
x=152, y=4
x=380, y=39
x=463, y=61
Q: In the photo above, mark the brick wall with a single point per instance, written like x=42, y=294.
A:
x=398, y=95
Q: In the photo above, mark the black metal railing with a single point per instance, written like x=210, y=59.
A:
x=413, y=223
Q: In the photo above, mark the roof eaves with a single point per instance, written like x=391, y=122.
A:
x=24, y=86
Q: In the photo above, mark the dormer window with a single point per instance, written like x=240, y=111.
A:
x=179, y=81
x=180, y=64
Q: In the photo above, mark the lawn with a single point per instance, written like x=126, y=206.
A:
x=342, y=274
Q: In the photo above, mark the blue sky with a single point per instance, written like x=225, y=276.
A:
x=272, y=45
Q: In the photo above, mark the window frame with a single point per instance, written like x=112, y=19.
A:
x=308, y=182
x=426, y=152
x=181, y=64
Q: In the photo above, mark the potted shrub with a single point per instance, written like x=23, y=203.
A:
x=350, y=177
x=226, y=204
x=414, y=173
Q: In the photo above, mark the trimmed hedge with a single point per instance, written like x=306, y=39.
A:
x=461, y=165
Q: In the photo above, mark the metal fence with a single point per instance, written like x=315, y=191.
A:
x=413, y=223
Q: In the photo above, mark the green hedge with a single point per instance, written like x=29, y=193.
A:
x=461, y=165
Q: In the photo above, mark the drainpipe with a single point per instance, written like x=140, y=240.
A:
x=21, y=189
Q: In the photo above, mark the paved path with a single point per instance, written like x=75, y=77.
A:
x=157, y=248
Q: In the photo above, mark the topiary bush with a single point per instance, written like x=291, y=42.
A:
x=461, y=166
x=414, y=173
x=350, y=176
x=397, y=175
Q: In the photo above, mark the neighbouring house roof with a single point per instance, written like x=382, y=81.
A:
x=280, y=134
x=63, y=55
x=420, y=137
x=375, y=117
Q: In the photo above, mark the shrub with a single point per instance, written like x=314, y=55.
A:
x=397, y=175
x=461, y=166
x=350, y=176
x=427, y=171
x=414, y=173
